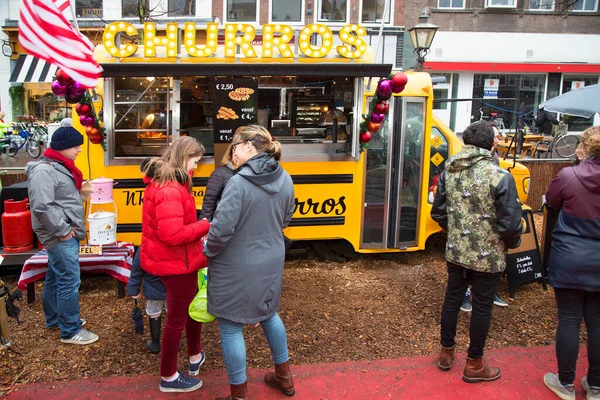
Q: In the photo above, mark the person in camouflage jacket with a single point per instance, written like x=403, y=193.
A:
x=477, y=204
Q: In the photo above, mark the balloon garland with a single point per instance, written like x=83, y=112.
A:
x=74, y=92
x=379, y=106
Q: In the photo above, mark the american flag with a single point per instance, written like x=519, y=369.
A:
x=45, y=33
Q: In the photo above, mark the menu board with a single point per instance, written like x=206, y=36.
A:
x=234, y=103
x=523, y=264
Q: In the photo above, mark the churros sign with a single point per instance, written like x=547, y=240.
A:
x=314, y=41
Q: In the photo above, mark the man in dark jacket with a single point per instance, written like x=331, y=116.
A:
x=544, y=120
x=477, y=204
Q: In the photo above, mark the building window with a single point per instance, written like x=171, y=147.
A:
x=88, y=8
x=585, y=5
x=286, y=11
x=541, y=5
x=451, y=3
x=135, y=8
x=333, y=11
x=241, y=10
x=501, y=3
x=182, y=8
x=372, y=11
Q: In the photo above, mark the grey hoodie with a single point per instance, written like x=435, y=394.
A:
x=56, y=204
x=245, y=243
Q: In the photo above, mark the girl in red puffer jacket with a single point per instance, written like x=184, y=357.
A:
x=172, y=250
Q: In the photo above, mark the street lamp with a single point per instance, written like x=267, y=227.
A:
x=421, y=36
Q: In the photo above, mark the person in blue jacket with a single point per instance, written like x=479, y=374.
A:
x=155, y=295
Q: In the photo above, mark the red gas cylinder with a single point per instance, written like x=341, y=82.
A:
x=17, y=233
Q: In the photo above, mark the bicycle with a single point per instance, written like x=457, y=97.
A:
x=564, y=143
x=25, y=138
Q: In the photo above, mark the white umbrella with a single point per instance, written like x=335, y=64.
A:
x=583, y=102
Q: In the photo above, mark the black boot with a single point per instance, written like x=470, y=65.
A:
x=153, y=345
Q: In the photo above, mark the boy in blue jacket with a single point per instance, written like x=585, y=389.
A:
x=155, y=295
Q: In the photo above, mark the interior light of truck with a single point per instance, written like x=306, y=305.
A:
x=526, y=183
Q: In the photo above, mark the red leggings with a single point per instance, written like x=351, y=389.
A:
x=181, y=290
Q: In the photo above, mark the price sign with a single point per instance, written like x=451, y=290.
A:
x=235, y=104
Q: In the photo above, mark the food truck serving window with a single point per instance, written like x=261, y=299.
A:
x=140, y=119
x=308, y=115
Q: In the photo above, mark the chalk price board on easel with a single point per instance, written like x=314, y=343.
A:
x=524, y=264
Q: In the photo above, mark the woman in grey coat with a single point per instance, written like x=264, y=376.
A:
x=246, y=253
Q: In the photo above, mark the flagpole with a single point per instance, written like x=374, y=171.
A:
x=386, y=8
x=75, y=24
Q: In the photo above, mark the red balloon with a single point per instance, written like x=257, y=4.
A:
x=83, y=109
x=96, y=139
x=381, y=107
x=365, y=137
x=399, y=80
x=63, y=77
x=72, y=98
x=398, y=89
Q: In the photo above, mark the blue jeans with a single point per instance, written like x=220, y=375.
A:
x=61, y=288
x=233, y=346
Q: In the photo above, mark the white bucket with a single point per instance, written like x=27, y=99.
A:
x=102, y=227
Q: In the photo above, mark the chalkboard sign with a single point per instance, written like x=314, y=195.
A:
x=524, y=264
x=235, y=101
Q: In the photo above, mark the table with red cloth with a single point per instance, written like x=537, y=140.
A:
x=115, y=261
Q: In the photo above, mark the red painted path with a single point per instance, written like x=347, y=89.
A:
x=405, y=378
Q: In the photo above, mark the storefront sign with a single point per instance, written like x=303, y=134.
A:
x=275, y=40
x=235, y=101
x=577, y=85
x=490, y=89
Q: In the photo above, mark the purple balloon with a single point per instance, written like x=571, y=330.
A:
x=377, y=118
x=72, y=98
x=77, y=88
x=385, y=86
x=59, y=89
x=386, y=96
x=87, y=120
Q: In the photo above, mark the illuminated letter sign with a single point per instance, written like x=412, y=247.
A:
x=212, y=32
x=231, y=39
x=111, y=39
x=315, y=51
x=269, y=40
x=351, y=35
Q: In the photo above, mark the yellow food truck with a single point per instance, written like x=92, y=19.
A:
x=310, y=87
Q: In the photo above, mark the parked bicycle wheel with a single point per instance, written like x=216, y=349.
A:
x=13, y=149
x=33, y=147
x=566, y=146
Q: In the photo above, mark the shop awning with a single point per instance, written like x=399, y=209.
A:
x=31, y=69
x=246, y=69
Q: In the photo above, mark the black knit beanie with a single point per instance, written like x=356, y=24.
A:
x=65, y=138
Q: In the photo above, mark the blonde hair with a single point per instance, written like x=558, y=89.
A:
x=172, y=165
x=260, y=138
x=228, y=156
x=590, y=138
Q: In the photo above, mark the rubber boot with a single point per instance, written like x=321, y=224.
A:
x=238, y=392
x=445, y=358
x=477, y=370
x=153, y=345
x=281, y=379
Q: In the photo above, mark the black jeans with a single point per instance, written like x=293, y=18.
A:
x=483, y=290
x=573, y=306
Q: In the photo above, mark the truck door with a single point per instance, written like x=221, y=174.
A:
x=394, y=166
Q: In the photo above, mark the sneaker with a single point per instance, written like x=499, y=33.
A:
x=82, y=337
x=181, y=384
x=83, y=322
x=565, y=392
x=195, y=367
x=466, y=305
x=593, y=392
x=498, y=301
